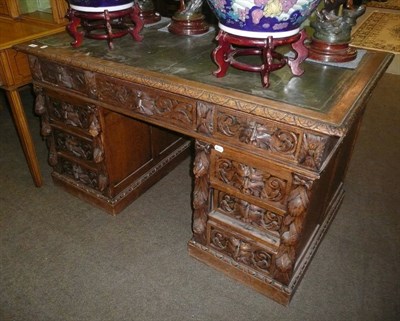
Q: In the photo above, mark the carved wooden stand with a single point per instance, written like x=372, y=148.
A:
x=107, y=21
x=224, y=55
x=330, y=52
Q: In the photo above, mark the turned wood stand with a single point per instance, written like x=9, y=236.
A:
x=105, y=25
x=231, y=46
x=189, y=27
x=269, y=164
x=149, y=16
x=330, y=52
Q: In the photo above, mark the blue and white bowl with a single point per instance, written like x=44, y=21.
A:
x=100, y=5
x=262, y=18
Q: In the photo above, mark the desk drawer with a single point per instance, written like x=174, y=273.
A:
x=62, y=76
x=253, y=250
x=91, y=177
x=259, y=182
x=252, y=217
x=159, y=104
x=273, y=139
x=69, y=112
x=77, y=146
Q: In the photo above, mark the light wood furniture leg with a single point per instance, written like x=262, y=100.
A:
x=24, y=134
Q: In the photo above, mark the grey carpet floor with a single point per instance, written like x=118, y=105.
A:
x=61, y=259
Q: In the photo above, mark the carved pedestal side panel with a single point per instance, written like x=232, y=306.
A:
x=146, y=101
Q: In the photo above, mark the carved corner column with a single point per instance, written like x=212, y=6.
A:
x=45, y=131
x=297, y=206
x=201, y=193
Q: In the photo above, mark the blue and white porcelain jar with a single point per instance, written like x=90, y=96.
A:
x=100, y=5
x=262, y=18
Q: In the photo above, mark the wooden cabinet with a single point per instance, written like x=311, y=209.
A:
x=102, y=157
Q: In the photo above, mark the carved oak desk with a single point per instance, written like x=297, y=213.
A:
x=269, y=163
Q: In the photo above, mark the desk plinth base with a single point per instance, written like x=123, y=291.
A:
x=262, y=283
x=112, y=23
x=232, y=46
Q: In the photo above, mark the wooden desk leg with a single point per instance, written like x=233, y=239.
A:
x=24, y=135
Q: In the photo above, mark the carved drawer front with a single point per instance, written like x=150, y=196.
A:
x=143, y=100
x=240, y=245
x=272, y=139
x=251, y=217
x=79, y=147
x=90, y=177
x=268, y=136
x=253, y=180
x=62, y=76
x=73, y=114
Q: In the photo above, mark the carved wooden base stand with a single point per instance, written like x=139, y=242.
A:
x=149, y=16
x=226, y=52
x=190, y=27
x=112, y=23
x=330, y=52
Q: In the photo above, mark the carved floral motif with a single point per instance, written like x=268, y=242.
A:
x=240, y=250
x=312, y=150
x=251, y=181
x=201, y=192
x=205, y=116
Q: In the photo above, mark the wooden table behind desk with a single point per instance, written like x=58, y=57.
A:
x=14, y=73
